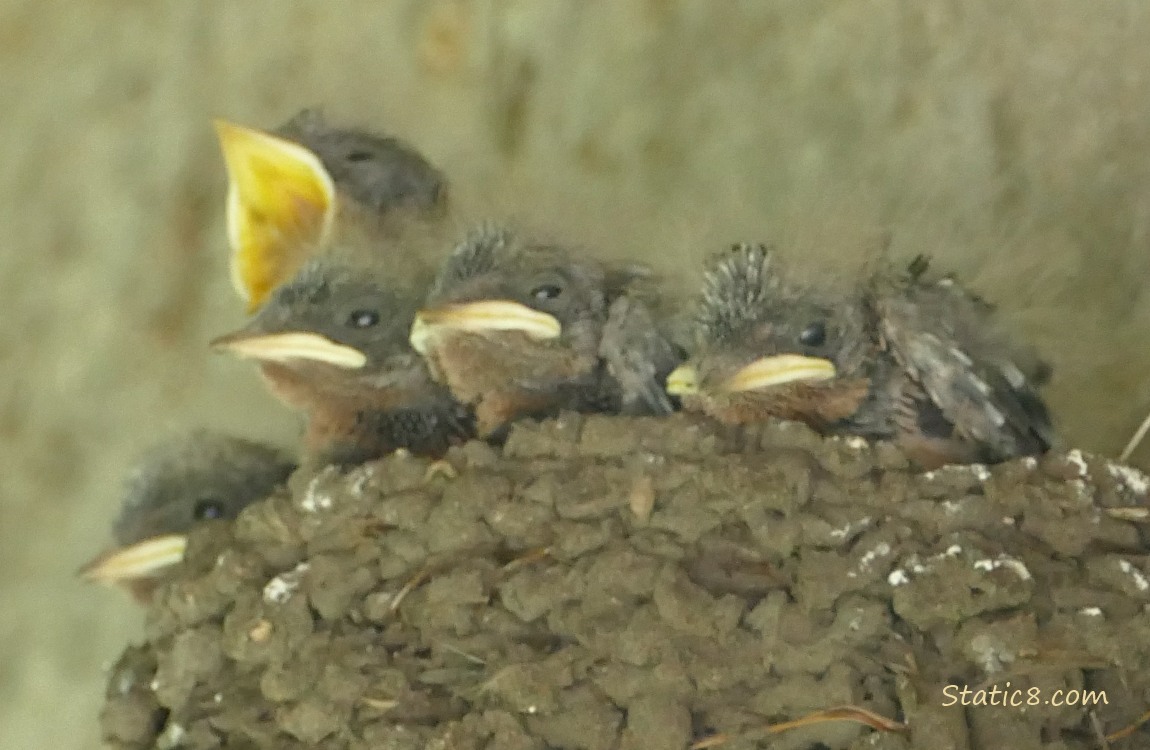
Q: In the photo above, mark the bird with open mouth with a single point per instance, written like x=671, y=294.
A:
x=194, y=479
x=899, y=356
x=330, y=230
x=307, y=185
x=519, y=328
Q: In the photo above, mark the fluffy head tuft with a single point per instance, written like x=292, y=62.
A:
x=481, y=251
x=736, y=290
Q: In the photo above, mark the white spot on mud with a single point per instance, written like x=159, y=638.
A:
x=990, y=655
x=1139, y=579
x=1083, y=491
x=916, y=566
x=1129, y=477
x=979, y=470
x=173, y=737
x=1078, y=461
x=279, y=589
x=314, y=501
x=868, y=558
x=850, y=528
x=1004, y=561
x=364, y=474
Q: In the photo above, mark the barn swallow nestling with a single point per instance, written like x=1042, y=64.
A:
x=307, y=185
x=901, y=357
x=197, y=478
x=333, y=344
x=315, y=214
x=519, y=328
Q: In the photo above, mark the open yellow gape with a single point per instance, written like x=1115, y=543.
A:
x=281, y=204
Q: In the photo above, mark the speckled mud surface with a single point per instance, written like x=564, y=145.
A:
x=624, y=584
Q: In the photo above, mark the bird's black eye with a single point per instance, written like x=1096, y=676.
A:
x=359, y=156
x=207, y=509
x=813, y=335
x=363, y=319
x=546, y=292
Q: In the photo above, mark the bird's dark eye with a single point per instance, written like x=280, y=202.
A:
x=207, y=509
x=363, y=319
x=359, y=156
x=546, y=292
x=813, y=335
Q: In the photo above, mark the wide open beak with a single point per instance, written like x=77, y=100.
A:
x=768, y=372
x=281, y=202
x=482, y=317
x=289, y=347
x=146, y=559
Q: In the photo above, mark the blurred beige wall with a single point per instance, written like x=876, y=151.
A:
x=1011, y=139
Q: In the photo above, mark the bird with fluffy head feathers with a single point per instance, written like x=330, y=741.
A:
x=898, y=356
x=520, y=327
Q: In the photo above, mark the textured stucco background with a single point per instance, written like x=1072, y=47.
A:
x=1010, y=139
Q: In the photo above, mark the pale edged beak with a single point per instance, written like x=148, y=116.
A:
x=683, y=381
x=146, y=559
x=289, y=347
x=280, y=200
x=482, y=317
x=768, y=372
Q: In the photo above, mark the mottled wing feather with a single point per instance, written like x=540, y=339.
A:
x=971, y=318
x=965, y=370
x=638, y=357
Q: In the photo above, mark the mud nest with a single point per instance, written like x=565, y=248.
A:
x=605, y=583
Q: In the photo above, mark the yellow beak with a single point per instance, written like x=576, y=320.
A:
x=144, y=559
x=291, y=347
x=768, y=372
x=281, y=203
x=683, y=381
x=481, y=317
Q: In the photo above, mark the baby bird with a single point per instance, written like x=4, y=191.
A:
x=899, y=357
x=332, y=343
x=194, y=479
x=308, y=185
x=328, y=228
x=518, y=328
